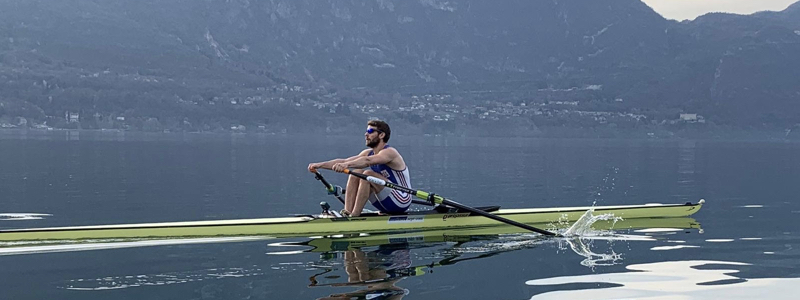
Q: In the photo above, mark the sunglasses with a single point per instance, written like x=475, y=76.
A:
x=371, y=130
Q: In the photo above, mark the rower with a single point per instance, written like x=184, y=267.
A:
x=379, y=160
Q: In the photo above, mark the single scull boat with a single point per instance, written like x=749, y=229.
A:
x=306, y=225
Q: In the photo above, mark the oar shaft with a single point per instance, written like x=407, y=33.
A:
x=328, y=186
x=331, y=189
x=441, y=200
x=378, y=181
x=495, y=217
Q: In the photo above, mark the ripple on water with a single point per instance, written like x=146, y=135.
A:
x=22, y=216
x=161, y=279
x=676, y=247
x=36, y=247
x=650, y=230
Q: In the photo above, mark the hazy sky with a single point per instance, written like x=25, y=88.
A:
x=690, y=9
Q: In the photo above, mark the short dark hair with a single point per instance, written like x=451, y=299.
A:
x=382, y=127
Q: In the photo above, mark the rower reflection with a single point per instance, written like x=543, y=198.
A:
x=375, y=272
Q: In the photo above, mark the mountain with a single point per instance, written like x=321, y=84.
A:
x=355, y=43
x=745, y=68
x=170, y=59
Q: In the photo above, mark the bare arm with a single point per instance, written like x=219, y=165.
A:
x=312, y=167
x=363, y=161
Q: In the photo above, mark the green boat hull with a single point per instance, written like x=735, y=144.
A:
x=315, y=225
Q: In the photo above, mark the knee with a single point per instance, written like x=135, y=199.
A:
x=373, y=173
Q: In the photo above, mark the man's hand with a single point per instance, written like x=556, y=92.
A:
x=312, y=167
x=340, y=167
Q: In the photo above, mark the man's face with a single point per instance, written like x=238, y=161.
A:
x=372, y=136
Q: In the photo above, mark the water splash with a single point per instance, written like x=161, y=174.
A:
x=583, y=226
x=579, y=238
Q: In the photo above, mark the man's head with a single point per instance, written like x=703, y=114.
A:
x=377, y=130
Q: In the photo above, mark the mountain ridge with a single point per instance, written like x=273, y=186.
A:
x=130, y=57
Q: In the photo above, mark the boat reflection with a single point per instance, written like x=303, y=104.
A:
x=600, y=229
x=375, y=264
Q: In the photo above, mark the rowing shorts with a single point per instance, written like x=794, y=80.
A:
x=391, y=201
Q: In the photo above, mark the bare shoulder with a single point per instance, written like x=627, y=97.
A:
x=365, y=152
x=397, y=161
x=391, y=151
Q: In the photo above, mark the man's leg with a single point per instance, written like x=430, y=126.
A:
x=365, y=189
x=352, y=186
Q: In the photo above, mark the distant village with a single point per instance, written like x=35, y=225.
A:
x=429, y=108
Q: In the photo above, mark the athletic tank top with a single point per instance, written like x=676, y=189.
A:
x=397, y=177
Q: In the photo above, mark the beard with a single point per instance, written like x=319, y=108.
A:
x=373, y=142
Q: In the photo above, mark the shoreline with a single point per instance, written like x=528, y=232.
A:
x=540, y=133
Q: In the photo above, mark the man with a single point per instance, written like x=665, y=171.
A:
x=384, y=162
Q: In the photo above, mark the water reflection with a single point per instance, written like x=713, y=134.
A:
x=673, y=280
x=375, y=273
x=582, y=248
x=370, y=266
x=375, y=265
x=22, y=216
x=27, y=247
x=687, y=170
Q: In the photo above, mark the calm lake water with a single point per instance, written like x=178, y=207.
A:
x=743, y=244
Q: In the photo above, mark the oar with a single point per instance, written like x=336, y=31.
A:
x=331, y=189
x=433, y=198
